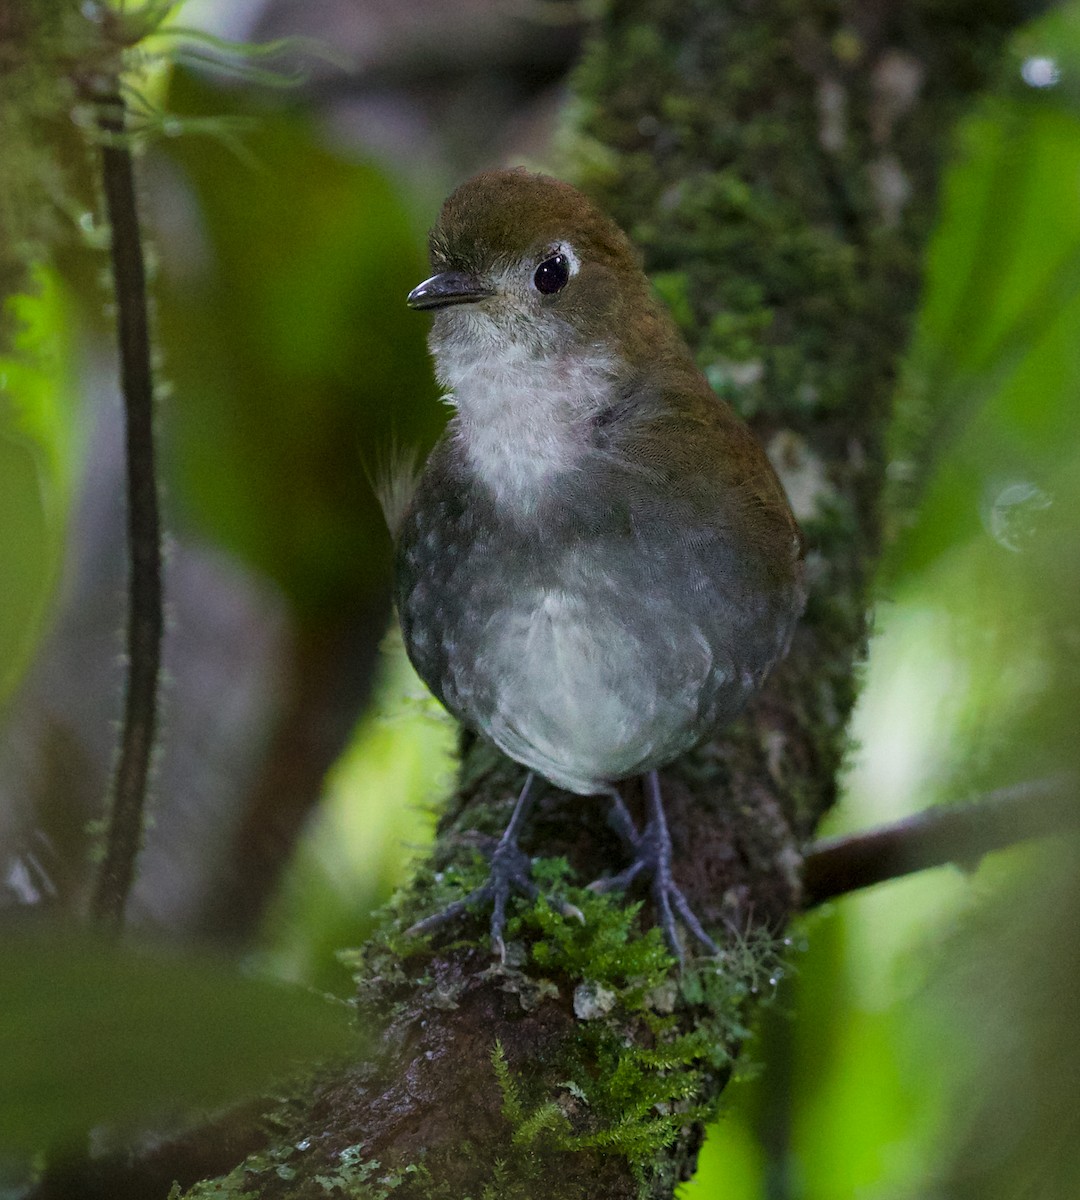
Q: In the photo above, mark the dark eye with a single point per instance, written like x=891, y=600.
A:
x=552, y=275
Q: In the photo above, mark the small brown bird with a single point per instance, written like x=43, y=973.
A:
x=598, y=566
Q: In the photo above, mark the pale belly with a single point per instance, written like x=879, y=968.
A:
x=581, y=698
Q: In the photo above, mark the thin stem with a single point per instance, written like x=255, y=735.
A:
x=145, y=622
x=955, y=833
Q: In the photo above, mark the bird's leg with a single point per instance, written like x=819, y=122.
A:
x=652, y=853
x=623, y=823
x=510, y=868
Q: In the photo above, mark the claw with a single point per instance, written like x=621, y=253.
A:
x=510, y=871
x=652, y=853
x=620, y=882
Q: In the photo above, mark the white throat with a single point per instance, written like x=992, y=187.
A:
x=522, y=417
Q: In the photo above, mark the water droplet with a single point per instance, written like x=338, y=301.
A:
x=1039, y=71
x=1012, y=515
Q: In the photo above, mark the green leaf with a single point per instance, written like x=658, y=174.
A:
x=94, y=1034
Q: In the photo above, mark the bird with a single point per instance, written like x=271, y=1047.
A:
x=598, y=565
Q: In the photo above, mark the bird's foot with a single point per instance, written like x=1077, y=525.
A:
x=652, y=855
x=511, y=870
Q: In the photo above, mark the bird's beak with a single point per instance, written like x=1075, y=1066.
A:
x=451, y=287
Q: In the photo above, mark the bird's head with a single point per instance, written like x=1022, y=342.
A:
x=527, y=263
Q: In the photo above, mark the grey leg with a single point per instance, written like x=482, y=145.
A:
x=652, y=853
x=511, y=869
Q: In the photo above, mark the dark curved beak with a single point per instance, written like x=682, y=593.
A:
x=451, y=287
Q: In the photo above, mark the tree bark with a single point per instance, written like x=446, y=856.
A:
x=778, y=163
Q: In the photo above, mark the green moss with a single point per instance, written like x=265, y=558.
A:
x=712, y=159
x=635, y=1083
x=607, y=946
x=639, y=1072
x=545, y=1122
x=650, y=1041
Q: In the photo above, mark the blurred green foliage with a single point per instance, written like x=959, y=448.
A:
x=291, y=354
x=94, y=1033
x=989, y=383
x=38, y=457
x=376, y=815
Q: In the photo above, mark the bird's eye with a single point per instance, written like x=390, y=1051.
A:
x=552, y=275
